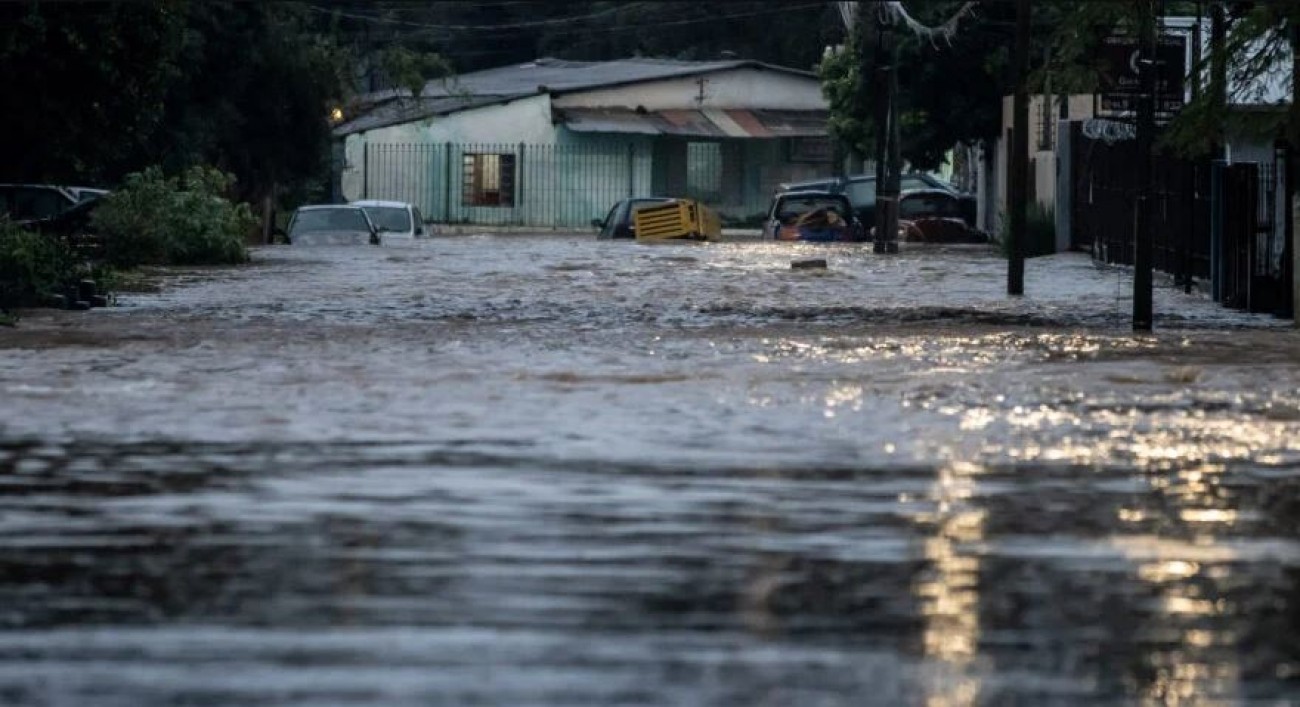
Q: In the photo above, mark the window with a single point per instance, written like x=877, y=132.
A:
x=488, y=180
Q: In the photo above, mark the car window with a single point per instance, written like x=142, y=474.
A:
x=861, y=193
x=926, y=205
x=792, y=208
x=390, y=218
x=611, y=219
x=34, y=203
x=328, y=220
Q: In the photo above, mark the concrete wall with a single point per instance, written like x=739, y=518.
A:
x=740, y=88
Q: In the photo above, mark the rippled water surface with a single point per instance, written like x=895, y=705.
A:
x=517, y=470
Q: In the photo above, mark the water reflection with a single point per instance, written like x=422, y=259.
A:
x=1193, y=657
x=948, y=593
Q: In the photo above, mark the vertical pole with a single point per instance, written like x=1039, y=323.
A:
x=1291, y=255
x=446, y=182
x=517, y=199
x=365, y=170
x=1017, y=188
x=631, y=170
x=881, y=110
x=894, y=183
x=1142, y=276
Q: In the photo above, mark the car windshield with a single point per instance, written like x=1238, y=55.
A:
x=340, y=219
x=926, y=205
x=390, y=218
x=791, y=209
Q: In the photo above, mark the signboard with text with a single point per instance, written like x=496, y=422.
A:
x=1121, y=82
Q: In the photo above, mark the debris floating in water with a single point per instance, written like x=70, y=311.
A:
x=810, y=264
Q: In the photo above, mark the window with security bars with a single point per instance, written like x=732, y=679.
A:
x=488, y=179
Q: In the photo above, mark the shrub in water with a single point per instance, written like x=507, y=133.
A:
x=159, y=220
x=32, y=266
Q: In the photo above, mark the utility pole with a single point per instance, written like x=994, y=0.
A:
x=894, y=179
x=1017, y=188
x=882, y=111
x=1292, y=264
x=1146, y=119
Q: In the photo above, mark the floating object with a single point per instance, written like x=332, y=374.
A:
x=810, y=264
x=677, y=220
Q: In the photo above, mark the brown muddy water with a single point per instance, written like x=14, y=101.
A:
x=553, y=471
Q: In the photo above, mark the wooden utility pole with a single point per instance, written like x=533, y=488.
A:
x=1146, y=126
x=1017, y=188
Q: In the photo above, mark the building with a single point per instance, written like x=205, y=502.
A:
x=554, y=143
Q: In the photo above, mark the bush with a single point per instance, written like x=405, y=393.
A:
x=1040, y=232
x=159, y=220
x=32, y=266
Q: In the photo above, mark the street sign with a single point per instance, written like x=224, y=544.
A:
x=1121, y=82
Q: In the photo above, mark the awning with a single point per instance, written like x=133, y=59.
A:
x=708, y=122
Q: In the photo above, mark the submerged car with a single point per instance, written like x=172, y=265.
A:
x=396, y=220
x=817, y=216
x=619, y=223
x=935, y=216
x=861, y=191
x=333, y=224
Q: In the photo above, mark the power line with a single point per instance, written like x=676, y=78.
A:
x=640, y=27
x=474, y=28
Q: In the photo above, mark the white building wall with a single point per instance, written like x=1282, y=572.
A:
x=739, y=88
x=526, y=120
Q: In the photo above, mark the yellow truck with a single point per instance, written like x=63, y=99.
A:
x=677, y=220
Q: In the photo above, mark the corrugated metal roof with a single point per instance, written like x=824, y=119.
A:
x=554, y=76
x=398, y=110
x=709, y=122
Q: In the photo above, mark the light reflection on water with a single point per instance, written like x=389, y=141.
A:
x=580, y=473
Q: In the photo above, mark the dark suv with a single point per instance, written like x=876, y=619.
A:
x=861, y=191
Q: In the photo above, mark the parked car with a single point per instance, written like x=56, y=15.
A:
x=934, y=216
x=332, y=224
x=618, y=223
x=394, y=219
x=861, y=190
x=30, y=202
x=86, y=193
x=821, y=216
x=73, y=226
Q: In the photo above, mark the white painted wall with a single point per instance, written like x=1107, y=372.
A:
x=738, y=88
x=525, y=120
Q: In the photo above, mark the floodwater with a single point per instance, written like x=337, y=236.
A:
x=515, y=470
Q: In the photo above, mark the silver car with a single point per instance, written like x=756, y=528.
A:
x=332, y=225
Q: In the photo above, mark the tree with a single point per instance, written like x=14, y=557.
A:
x=87, y=84
x=950, y=89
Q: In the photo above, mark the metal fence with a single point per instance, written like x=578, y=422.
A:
x=551, y=186
x=1104, y=206
x=1212, y=221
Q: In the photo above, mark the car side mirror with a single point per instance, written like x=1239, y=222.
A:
x=598, y=223
x=419, y=230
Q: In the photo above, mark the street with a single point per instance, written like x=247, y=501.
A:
x=547, y=470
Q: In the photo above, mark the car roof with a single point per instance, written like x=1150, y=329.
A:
x=822, y=193
x=380, y=202
x=314, y=207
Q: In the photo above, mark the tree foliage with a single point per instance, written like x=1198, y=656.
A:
x=105, y=88
x=950, y=92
